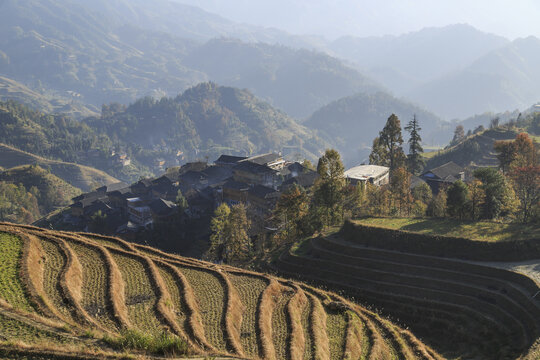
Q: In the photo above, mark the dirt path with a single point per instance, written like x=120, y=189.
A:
x=529, y=268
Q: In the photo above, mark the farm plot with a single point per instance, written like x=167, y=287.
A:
x=306, y=324
x=210, y=295
x=336, y=327
x=95, y=284
x=15, y=330
x=11, y=288
x=280, y=326
x=250, y=289
x=178, y=303
x=140, y=296
x=107, y=242
x=55, y=262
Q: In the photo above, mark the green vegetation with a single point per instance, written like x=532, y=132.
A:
x=11, y=286
x=50, y=191
x=475, y=230
x=163, y=344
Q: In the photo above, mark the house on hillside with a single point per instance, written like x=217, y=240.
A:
x=139, y=212
x=443, y=175
x=228, y=160
x=374, y=174
x=253, y=173
x=271, y=160
x=262, y=199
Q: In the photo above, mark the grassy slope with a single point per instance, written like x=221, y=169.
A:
x=474, y=230
x=79, y=176
x=183, y=307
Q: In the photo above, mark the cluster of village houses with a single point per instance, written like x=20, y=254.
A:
x=256, y=181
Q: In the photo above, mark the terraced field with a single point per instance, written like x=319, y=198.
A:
x=463, y=309
x=72, y=295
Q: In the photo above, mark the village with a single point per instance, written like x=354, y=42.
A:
x=256, y=181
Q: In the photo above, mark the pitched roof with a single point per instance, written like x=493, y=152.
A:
x=263, y=159
x=253, y=167
x=112, y=187
x=229, y=159
x=304, y=179
x=261, y=191
x=162, y=207
x=449, y=171
x=235, y=185
x=216, y=174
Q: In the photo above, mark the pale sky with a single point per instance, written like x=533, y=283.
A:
x=333, y=18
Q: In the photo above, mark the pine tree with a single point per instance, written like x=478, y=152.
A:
x=415, y=161
x=459, y=135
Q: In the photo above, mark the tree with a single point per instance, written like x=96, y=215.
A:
x=494, y=123
x=506, y=154
x=477, y=198
x=526, y=153
x=437, y=208
x=391, y=139
x=479, y=129
x=422, y=193
x=400, y=185
x=499, y=198
x=379, y=153
x=292, y=209
x=328, y=193
x=237, y=244
x=415, y=161
x=520, y=152
x=218, y=236
x=459, y=135
x=457, y=199
x=527, y=187
x=181, y=202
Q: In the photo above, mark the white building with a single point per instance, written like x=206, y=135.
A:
x=375, y=174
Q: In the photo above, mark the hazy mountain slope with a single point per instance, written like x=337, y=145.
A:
x=353, y=122
x=297, y=81
x=402, y=62
x=62, y=46
x=207, y=120
x=13, y=90
x=79, y=176
x=504, y=79
x=50, y=191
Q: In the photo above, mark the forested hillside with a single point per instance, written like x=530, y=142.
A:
x=30, y=192
x=206, y=120
x=353, y=122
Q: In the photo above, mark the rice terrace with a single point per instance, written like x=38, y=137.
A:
x=83, y=296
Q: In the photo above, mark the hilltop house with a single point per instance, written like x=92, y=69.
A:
x=375, y=174
x=443, y=175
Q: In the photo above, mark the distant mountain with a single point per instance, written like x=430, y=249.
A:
x=63, y=47
x=207, y=120
x=504, y=79
x=353, y=122
x=96, y=52
x=405, y=61
x=297, y=81
x=51, y=103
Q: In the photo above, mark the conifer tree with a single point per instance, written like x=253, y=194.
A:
x=237, y=243
x=415, y=160
x=388, y=148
